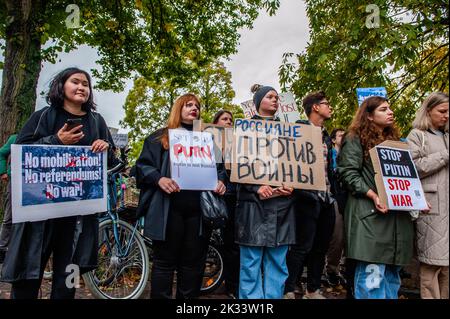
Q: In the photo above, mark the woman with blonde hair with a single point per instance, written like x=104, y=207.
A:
x=173, y=216
x=428, y=141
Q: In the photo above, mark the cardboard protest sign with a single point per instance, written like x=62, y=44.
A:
x=56, y=181
x=277, y=153
x=120, y=140
x=287, y=110
x=223, y=140
x=249, y=109
x=396, y=178
x=364, y=93
x=192, y=160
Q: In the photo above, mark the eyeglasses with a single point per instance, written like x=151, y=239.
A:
x=326, y=103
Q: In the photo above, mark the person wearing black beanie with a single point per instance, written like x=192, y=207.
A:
x=265, y=223
x=260, y=92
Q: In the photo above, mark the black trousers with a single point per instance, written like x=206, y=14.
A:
x=58, y=239
x=231, y=250
x=183, y=251
x=315, y=225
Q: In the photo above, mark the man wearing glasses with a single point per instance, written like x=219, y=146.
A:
x=315, y=212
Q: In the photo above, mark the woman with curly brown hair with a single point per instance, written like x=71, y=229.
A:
x=380, y=240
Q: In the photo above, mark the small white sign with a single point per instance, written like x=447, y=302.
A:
x=287, y=109
x=120, y=140
x=192, y=160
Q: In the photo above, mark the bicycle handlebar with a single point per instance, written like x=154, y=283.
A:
x=120, y=166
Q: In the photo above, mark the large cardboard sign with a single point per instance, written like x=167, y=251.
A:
x=192, y=160
x=277, y=153
x=287, y=110
x=396, y=178
x=56, y=181
x=223, y=141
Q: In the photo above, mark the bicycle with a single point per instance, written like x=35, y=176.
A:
x=104, y=282
x=123, y=262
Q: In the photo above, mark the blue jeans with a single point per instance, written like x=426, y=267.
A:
x=376, y=281
x=253, y=284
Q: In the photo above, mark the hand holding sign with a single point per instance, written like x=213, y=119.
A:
x=265, y=191
x=168, y=185
x=220, y=189
x=283, y=190
x=99, y=146
x=376, y=200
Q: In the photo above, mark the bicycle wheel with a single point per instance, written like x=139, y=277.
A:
x=213, y=274
x=119, y=277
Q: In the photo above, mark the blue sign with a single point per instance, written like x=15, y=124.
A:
x=60, y=174
x=364, y=93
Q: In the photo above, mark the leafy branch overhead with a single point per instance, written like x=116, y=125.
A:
x=148, y=103
x=155, y=39
x=407, y=52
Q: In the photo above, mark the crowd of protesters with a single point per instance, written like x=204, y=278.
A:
x=272, y=233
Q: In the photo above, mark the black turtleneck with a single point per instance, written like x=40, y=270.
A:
x=188, y=127
x=187, y=201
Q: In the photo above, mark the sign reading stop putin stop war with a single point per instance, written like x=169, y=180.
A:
x=277, y=153
x=396, y=177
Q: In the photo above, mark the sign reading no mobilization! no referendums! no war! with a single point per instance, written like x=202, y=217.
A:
x=396, y=178
x=277, y=153
x=50, y=181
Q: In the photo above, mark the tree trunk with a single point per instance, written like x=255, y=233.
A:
x=21, y=69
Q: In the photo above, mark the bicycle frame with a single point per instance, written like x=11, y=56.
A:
x=114, y=216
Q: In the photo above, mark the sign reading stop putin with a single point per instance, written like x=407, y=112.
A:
x=396, y=177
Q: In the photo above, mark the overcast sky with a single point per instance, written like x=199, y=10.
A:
x=257, y=60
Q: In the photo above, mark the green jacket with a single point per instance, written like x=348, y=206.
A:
x=5, y=150
x=370, y=235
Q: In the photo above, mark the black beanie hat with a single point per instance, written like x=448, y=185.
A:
x=260, y=94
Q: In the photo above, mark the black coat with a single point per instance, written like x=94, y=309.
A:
x=263, y=223
x=152, y=164
x=23, y=260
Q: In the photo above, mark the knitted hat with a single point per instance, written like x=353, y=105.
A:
x=260, y=92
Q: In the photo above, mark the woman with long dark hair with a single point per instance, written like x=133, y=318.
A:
x=71, y=240
x=380, y=240
x=173, y=216
x=230, y=248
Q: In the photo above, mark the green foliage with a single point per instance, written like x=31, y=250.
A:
x=148, y=104
x=408, y=54
x=158, y=39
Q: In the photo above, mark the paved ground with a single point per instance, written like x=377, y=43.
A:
x=84, y=293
